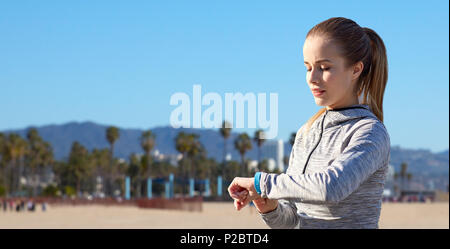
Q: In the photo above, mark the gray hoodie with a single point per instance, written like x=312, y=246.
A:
x=336, y=173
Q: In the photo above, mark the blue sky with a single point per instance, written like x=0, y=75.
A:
x=118, y=62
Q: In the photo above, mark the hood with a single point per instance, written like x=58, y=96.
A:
x=341, y=115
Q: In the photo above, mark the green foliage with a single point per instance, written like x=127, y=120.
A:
x=40, y=152
x=147, y=141
x=78, y=163
x=230, y=170
x=243, y=143
x=163, y=169
x=50, y=191
x=2, y=191
x=112, y=134
x=69, y=191
x=14, y=149
x=134, y=168
x=189, y=145
x=225, y=129
x=79, y=171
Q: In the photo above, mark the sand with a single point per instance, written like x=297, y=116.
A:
x=214, y=215
x=415, y=215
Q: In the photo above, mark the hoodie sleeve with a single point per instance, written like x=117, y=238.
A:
x=283, y=217
x=366, y=152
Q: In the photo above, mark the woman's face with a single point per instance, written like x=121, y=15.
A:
x=326, y=72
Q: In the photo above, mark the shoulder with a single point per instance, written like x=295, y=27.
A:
x=369, y=131
x=372, y=126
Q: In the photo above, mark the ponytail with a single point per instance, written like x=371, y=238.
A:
x=374, y=83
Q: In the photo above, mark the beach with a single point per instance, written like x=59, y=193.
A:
x=214, y=215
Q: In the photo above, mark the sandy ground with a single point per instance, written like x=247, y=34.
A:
x=214, y=215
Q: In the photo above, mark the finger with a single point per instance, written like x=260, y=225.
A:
x=238, y=205
x=245, y=202
x=238, y=196
x=230, y=188
x=241, y=195
x=241, y=204
x=237, y=193
x=234, y=187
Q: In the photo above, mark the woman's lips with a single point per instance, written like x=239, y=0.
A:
x=317, y=93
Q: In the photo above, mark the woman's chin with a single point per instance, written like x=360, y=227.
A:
x=320, y=102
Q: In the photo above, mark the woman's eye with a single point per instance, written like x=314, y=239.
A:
x=324, y=69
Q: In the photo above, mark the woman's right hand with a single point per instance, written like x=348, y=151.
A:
x=265, y=205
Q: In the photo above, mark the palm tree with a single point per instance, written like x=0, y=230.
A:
x=195, y=149
x=189, y=145
x=100, y=163
x=225, y=131
x=259, y=139
x=14, y=148
x=40, y=154
x=404, y=176
x=147, y=144
x=182, y=145
x=112, y=134
x=78, y=163
x=32, y=158
x=243, y=144
x=133, y=171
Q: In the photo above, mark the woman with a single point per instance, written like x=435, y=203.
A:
x=340, y=157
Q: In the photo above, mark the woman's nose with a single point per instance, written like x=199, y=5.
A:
x=314, y=76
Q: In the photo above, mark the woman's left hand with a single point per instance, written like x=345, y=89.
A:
x=242, y=190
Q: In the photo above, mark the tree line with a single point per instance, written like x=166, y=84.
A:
x=25, y=163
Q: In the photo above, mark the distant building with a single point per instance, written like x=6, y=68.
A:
x=271, y=164
x=157, y=156
x=273, y=149
x=228, y=157
x=170, y=158
x=252, y=165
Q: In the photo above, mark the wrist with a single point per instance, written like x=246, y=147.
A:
x=257, y=185
x=269, y=208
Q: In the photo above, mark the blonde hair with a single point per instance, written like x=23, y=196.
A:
x=358, y=44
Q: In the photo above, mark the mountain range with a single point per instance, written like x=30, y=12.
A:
x=92, y=135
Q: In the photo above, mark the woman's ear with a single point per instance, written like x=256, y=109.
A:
x=357, y=70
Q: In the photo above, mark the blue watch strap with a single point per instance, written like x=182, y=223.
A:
x=257, y=186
